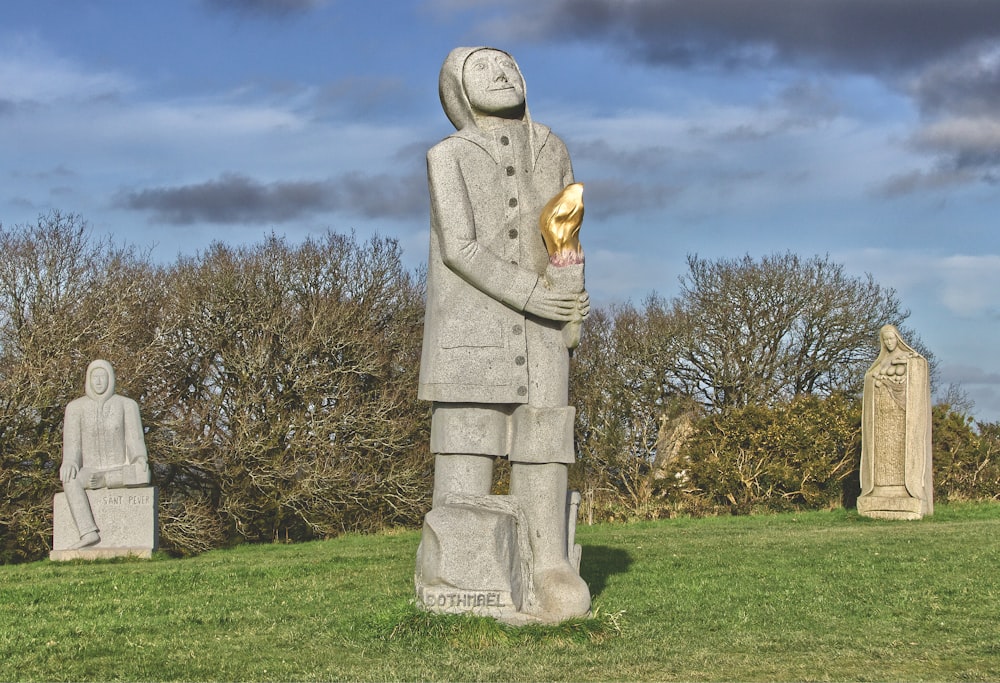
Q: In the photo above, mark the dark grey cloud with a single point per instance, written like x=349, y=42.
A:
x=803, y=105
x=965, y=150
x=364, y=97
x=384, y=196
x=59, y=172
x=945, y=54
x=604, y=197
x=276, y=8
x=969, y=374
x=967, y=82
x=808, y=102
x=600, y=151
x=868, y=36
x=959, y=98
x=237, y=199
x=911, y=182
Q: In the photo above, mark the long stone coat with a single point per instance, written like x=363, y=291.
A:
x=487, y=255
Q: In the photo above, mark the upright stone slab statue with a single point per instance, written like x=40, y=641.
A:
x=502, y=310
x=108, y=508
x=896, y=470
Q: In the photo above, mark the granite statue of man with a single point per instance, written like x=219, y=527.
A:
x=896, y=468
x=494, y=362
x=103, y=448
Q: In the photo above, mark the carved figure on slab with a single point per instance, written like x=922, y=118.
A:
x=103, y=447
x=896, y=465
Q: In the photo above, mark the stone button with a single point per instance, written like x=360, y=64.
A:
x=513, y=263
x=522, y=391
x=504, y=140
x=518, y=329
x=520, y=360
x=512, y=202
x=512, y=234
x=510, y=170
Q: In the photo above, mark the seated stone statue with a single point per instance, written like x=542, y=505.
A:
x=896, y=468
x=103, y=447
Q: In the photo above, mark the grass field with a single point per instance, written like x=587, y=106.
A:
x=796, y=597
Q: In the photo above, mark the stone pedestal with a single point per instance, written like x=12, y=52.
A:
x=475, y=557
x=891, y=502
x=126, y=518
x=473, y=560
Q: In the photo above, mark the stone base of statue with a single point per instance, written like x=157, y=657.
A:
x=475, y=557
x=126, y=520
x=890, y=502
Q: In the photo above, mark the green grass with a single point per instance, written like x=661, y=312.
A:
x=813, y=596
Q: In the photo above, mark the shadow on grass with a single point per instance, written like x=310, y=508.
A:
x=600, y=562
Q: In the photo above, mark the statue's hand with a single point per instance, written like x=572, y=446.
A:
x=583, y=304
x=552, y=304
x=67, y=472
x=95, y=481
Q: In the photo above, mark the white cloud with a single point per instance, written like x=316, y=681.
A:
x=961, y=134
x=32, y=74
x=965, y=285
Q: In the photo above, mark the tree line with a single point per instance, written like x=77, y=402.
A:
x=277, y=385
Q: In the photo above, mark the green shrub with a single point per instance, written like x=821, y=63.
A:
x=966, y=457
x=797, y=455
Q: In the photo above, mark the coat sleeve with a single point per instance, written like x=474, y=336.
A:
x=135, y=442
x=72, y=444
x=455, y=225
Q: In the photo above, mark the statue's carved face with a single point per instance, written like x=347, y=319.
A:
x=493, y=83
x=99, y=381
x=889, y=339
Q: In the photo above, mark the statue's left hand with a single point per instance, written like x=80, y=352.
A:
x=96, y=481
x=67, y=472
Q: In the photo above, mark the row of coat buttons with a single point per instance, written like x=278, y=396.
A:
x=520, y=360
x=517, y=329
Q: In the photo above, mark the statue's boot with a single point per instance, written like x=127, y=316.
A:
x=88, y=539
x=540, y=490
x=454, y=473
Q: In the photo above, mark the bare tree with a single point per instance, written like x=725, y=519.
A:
x=752, y=332
x=627, y=406
x=292, y=386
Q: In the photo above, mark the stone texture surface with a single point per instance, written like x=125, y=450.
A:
x=495, y=358
x=127, y=518
x=472, y=559
x=896, y=466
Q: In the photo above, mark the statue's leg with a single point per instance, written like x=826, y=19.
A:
x=540, y=490
x=540, y=453
x=461, y=473
x=465, y=440
x=79, y=508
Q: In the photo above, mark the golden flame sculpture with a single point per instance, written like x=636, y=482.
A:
x=560, y=225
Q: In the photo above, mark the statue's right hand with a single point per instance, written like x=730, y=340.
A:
x=67, y=472
x=552, y=304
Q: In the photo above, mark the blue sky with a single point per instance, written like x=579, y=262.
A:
x=868, y=130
